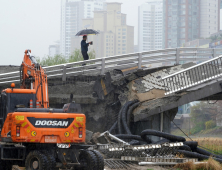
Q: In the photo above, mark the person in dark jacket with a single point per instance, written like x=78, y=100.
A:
x=84, y=48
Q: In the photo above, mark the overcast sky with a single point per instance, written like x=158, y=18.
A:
x=35, y=24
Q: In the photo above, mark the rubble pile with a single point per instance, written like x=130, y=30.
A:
x=125, y=146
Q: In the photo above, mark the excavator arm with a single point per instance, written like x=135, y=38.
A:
x=33, y=76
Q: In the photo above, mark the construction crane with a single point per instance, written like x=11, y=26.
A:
x=36, y=136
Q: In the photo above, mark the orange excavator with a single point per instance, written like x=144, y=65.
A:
x=36, y=136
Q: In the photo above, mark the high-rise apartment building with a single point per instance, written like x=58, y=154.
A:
x=150, y=30
x=186, y=20
x=115, y=36
x=209, y=17
x=182, y=23
x=72, y=13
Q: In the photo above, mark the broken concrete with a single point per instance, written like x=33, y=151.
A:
x=101, y=97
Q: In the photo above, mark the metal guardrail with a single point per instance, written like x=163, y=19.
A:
x=101, y=65
x=193, y=76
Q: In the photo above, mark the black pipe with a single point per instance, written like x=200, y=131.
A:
x=191, y=144
x=124, y=114
x=39, y=110
x=168, y=136
x=134, y=142
x=197, y=155
x=204, y=152
x=185, y=147
x=124, y=108
x=130, y=112
x=161, y=141
x=147, y=139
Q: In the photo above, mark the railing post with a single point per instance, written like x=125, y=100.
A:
x=103, y=66
x=64, y=73
x=214, y=53
x=139, y=60
x=177, y=56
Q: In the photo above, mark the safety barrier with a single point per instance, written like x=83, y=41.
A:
x=101, y=65
x=193, y=76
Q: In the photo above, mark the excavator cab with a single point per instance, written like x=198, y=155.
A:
x=12, y=99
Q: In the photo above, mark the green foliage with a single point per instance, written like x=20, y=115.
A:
x=216, y=38
x=59, y=59
x=197, y=128
x=199, y=115
x=77, y=56
x=49, y=61
x=210, y=124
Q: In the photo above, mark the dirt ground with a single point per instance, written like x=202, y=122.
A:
x=145, y=168
x=132, y=168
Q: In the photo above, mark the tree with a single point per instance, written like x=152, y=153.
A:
x=49, y=61
x=204, y=115
x=214, y=38
x=77, y=56
x=59, y=59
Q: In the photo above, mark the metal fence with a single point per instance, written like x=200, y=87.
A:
x=98, y=66
x=193, y=76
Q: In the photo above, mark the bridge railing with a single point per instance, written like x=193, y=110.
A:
x=193, y=76
x=153, y=58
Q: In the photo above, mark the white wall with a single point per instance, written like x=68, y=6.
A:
x=150, y=27
x=208, y=17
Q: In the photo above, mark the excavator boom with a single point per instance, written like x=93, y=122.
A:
x=33, y=76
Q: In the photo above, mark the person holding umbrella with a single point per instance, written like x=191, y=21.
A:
x=84, y=45
x=84, y=48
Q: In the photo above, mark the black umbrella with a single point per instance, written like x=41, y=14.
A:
x=87, y=32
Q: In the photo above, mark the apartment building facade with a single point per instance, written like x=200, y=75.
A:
x=186, y=20
x=72, y=13
x=150, y=25
x=115, y=36
x=209, y=17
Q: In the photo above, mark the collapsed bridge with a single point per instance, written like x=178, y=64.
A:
x=104, y=85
